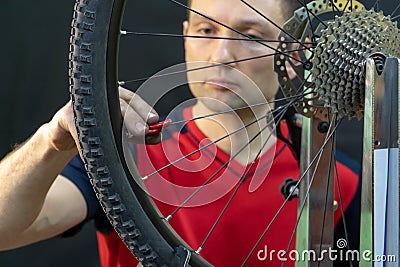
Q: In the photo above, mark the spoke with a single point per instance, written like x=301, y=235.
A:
x=232, y=29
x=221, y=168
x=291, y=193
x=204, y=147
x=204, y=67
x=303, y=204
x=204, y=37
x=346, y=235
x=396, y=17
x=345, y=6
x=327, y=191
x=297, y=97
x=309, y=21
x=273, y=23
x=395, y=10
x=376, y=5
x=242, y=108
x=299, y=76
x=301, y=86
x=281, y=110
x=312, y=13
x=242, y=179
x=334, y=6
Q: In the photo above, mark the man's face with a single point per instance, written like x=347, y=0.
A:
x=213, y=82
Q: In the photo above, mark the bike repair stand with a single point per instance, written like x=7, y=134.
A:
x=379, y=242
x=314, y=233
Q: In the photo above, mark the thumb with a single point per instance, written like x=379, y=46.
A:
x=62, y=132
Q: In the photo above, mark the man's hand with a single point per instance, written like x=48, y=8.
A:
x=32, y=191
x=61, y=129
x=138, y=115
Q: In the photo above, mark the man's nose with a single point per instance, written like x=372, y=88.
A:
x=223, y=51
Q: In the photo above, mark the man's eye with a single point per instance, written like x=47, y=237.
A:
x=205, y=31
x=253, y=36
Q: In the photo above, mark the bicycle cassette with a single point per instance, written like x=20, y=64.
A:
x=338, y=39
x=340, y=57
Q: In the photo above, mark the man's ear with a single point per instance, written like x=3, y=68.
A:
x=185, y=27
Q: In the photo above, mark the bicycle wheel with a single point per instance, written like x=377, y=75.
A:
x=96, y=30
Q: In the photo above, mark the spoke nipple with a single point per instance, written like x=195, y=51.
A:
x=198, y=250
x=145, y=177
x=123, y=32
x=120, y=83
x=314, y=40
x=289, y=189
x=377, y=143
x=335, y=205
x=323, y=127
x=307, y=65
x=168, y=218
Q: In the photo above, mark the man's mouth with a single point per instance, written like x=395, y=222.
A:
x=221, y=84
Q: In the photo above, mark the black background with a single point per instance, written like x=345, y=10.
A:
x=34, y=84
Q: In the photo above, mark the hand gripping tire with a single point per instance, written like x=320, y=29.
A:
x=94, y=93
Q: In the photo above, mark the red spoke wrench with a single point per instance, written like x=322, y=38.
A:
x=156, y=128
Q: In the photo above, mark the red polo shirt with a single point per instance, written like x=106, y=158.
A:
x=249, y=213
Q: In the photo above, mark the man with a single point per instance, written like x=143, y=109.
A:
x=33, y=190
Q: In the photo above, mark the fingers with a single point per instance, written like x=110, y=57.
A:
x=144, y=110
x=62, y=133
x=138, y=115
x=133, y=122
x=153, y=139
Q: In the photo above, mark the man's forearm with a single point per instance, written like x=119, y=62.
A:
x=26, y=175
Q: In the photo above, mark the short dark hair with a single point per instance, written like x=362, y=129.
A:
x=290, y=7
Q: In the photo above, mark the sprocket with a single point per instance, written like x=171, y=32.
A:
x=340, y=56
